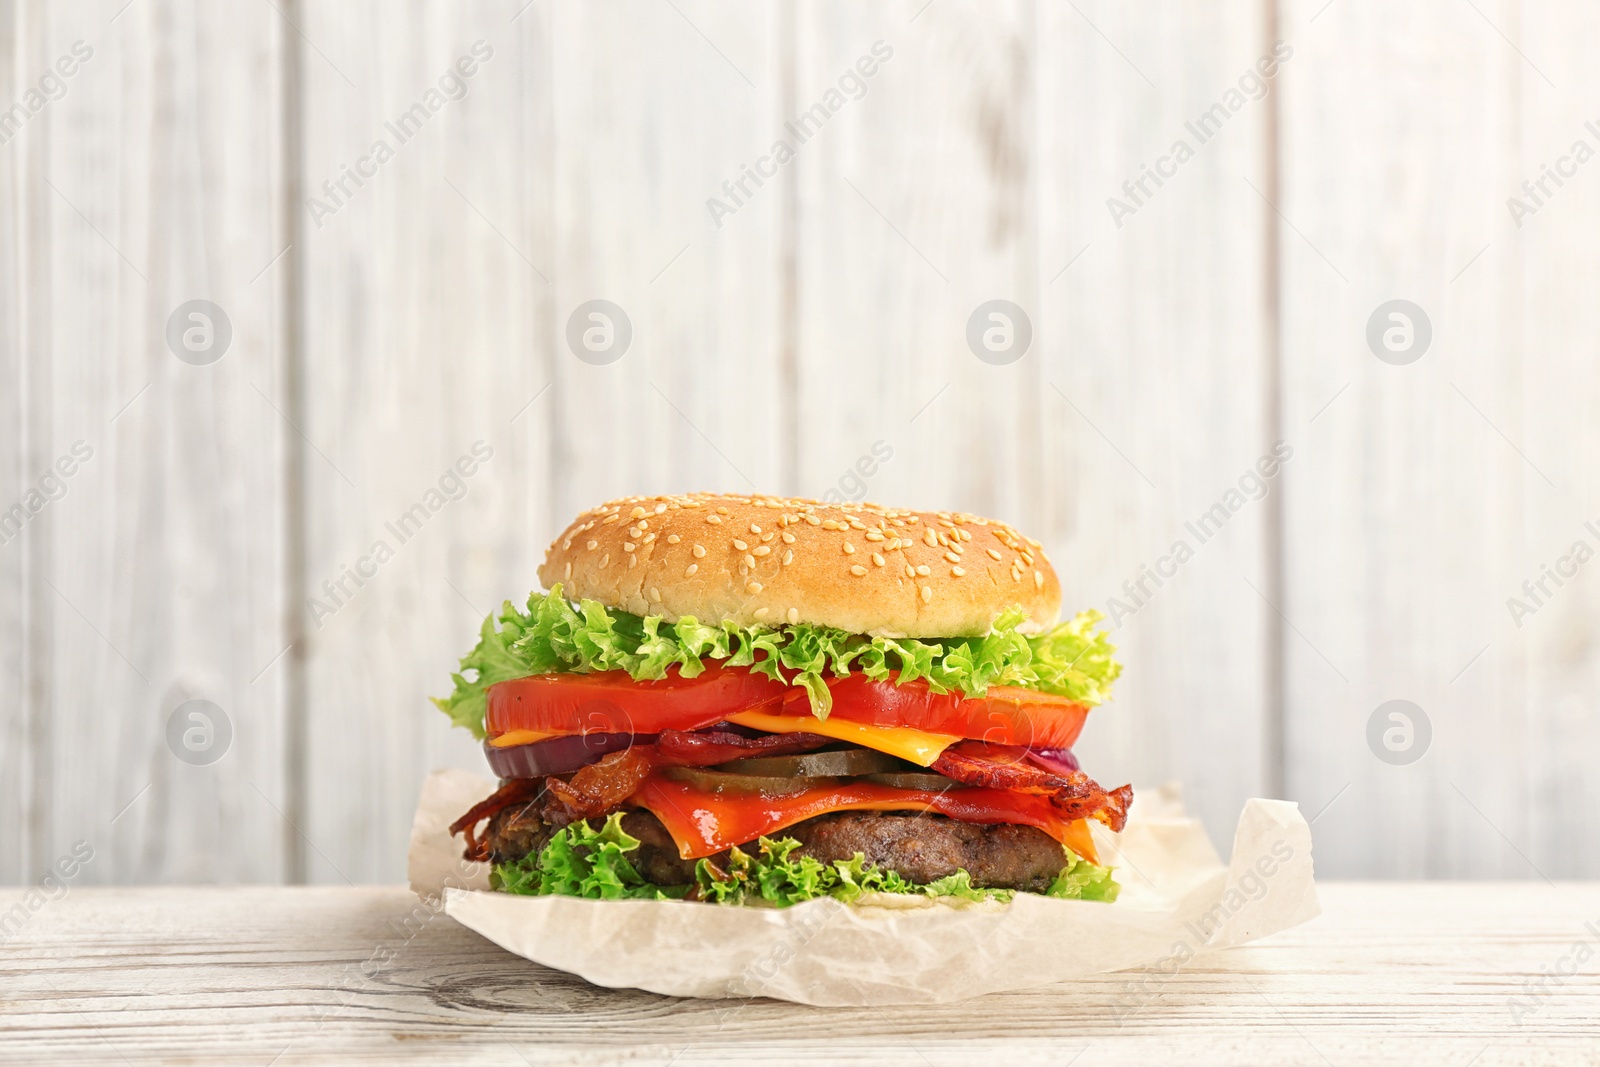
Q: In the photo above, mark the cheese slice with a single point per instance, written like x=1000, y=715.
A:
x=519, y=737
x=917, y=746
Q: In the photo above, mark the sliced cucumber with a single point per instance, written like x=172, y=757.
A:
x=843, y=763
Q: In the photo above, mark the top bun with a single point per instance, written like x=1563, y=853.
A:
x=769, y=560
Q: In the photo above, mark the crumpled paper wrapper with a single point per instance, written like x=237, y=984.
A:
x=1178, y=900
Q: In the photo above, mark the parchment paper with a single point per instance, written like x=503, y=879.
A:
x=1178, y=900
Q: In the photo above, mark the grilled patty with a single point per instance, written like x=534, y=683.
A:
x=919, y=847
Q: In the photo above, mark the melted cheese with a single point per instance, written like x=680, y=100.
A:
x=917, y=746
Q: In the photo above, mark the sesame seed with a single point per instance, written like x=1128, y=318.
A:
x=849, y=549
x=788, y=538
x=740, y=545
x=874, y=535
x=877, y=558
x=752, y=587
x=911, y=572
x=894, y=543
x=858, y=570
x=722, y=511
x=923, y=571
x=689, y=573
x=636, y=513
x=655, y=594
x=715, y=520
x=994, y=554
x=699, y=551
x=604, y=560
x=957, y=571
x=649, y=537
x=754, y=528
x=931, y=538
x=644, y=524
x=761, y=550
x=788, y=556
x=660, y=508
x=1016, y=576
x=952, y=557
x=628, y=546
x=1038, y=579
x=608, y=518
x=673, y=539
x=1027, y=558
x=794, y=616
x=761, y=613
x=750, y=561
x=813, y=520
x=927, y=594
x=633, y=561
x=593, y=545
x=568, y=572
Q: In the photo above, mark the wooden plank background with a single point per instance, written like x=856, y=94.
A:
x=384, y=332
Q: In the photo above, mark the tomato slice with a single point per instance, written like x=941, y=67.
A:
x=703, y=823
x=612, y=702
x=1004, y=716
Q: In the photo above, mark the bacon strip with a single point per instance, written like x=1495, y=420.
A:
x=514, y=791
x=601, y=786
x=1004, y=767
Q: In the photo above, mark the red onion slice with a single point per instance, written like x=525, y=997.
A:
x=557, y=755
x=1057, y=760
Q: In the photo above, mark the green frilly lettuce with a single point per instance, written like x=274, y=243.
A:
x=551, y=635
x=580, y=861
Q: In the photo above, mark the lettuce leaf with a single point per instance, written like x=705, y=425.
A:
x=1073, y=659
x=1082, y=880
x=581, y=861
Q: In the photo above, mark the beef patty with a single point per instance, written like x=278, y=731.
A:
x=919, y=847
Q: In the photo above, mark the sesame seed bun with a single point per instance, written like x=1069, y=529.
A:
x=858, y=567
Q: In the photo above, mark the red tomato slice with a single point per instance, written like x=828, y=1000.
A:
x=1004, y=716
x=703, y=823
x=611, y=702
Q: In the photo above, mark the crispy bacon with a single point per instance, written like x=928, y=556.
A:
x=513, y=791
x=706, y=749
x=601, y=786
x=1003, y=767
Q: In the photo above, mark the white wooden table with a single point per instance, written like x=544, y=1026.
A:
x=1392, y=973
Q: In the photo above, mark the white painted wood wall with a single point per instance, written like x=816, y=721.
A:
x=373, y=347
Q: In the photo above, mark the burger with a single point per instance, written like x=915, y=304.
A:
x=764, y=700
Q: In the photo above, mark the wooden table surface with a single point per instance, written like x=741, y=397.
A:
x=1392, y=972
